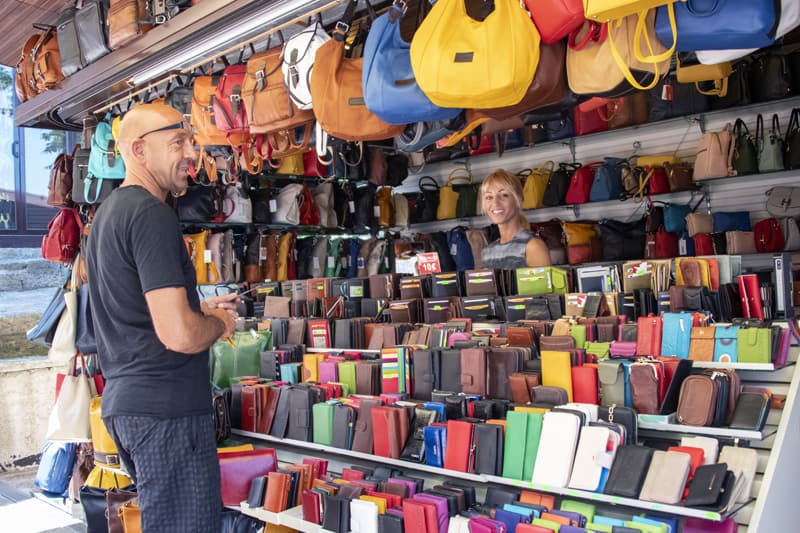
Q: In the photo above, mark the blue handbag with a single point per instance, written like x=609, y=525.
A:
x=686, y=245
x=731, y=221
x=676, y=335
x=105, y=163
x=718, y=24
x=607, y=184
x=418, y=135
x=460, y=249
x=55, y=466
x=390, y=89
x=726, y=344
x=675, y=217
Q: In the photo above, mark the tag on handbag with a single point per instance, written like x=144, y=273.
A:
x=351, y=206
x=206, y=256
x=273, y=206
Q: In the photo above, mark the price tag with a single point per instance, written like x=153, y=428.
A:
x=331, y=261
x=262, y=254
x=360, y=263
x=682, y=247
x=315, y=262
x=352, y=206
x=453, y=249
x=273, y=206
x=207, y=256
x=666, y=91
x=376, y=211
x=428, y=263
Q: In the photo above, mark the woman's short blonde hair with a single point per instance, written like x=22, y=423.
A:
x=505, y=179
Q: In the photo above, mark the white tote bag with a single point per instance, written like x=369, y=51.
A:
x=298, y=60
x=63, y=345
x=69, y=419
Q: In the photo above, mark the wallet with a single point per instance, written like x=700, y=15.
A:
x=488, y=449
x=238, y=468
x=666, y=477
x=628, y=472
x=707, y=485
x=556, y=452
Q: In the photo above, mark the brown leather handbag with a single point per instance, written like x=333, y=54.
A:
x=125, y=21
x=25, y=84
x=338, y=96
x=385, y=209
x=206, y=131
x=266, y=99
x=59, y=189
x=548, y=87
x=131, y=517
x=44, y=61
x=627, y=111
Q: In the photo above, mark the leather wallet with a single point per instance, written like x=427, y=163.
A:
x=280, y=423
x=312, y=506
x=238, y=468
x=450, y=370
x=446, y=284
x=629, y=470
x=611, y=375
x=556, y=452
x=501, y=363
x=277, y=496
x=390, y=431
x=707, y=485
x=743, y=463
x=300, y=404
x=425, y=368
x=344, y=418
x=258, y=487
x=751, y=411
x=666, y=477
x=481, y=282
x=460, y=446
x=556, y=370
x=414, y=449
x=390, y=523
x=337, y=514
x=489, y=449
x=363, y=435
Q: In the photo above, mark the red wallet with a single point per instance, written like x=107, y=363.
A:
x=238, y=469
x=584, y=384
x=458, y=453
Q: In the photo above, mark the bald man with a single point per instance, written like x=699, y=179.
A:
x=153, y=333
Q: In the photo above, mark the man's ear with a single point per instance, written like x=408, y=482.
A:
x=136, y=149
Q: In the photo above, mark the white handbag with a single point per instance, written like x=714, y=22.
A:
x=288, y=205
x=376, y=255
x=63, y=344
x=69, y=418
x=742, y=462
x=783, y=201
x=237, y=206
x=323, y=199
x=791, y=234
x=298, y=59
x=557, y=444
x=789, y=20
x=596, y=451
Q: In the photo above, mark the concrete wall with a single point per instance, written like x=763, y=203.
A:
x=27, y=388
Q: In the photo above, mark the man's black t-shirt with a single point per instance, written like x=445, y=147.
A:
x=135, y=246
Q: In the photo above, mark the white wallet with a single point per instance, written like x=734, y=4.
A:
x=709, y=445
x=596, y=451
x=363, y=516
x=742, y=462
x=458, y=524
x=666, y=477
x=557, y=443
x=589, y=408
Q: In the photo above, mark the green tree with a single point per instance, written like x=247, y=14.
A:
x=56, y=141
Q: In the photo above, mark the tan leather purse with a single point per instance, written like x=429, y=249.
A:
x=46, y=60
x=269, y=265
x=629, y=110
x=740, y=242
x=131, y=517
x=24, y=82
x=202, y=118
x=714, y=155
x=338, y=96
x=124, y=24
x=535, y=184
x=285, y=247
x=699, y=223
x=383, y=199
x=206, y=272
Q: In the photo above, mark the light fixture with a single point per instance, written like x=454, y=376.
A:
x=272, y=15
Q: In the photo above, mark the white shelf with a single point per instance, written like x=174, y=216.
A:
x=339, y=350
x=607, y=498
x=767, y=367
x=293, y=518
x=705, y=430
x=478, y=478
x=260, y=513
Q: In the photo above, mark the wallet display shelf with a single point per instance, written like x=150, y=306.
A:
x=597, y=497
x=291, y=518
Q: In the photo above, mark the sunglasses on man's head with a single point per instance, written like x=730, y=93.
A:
x=176, y=126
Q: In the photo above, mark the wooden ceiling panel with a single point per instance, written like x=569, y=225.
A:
x=16, y=18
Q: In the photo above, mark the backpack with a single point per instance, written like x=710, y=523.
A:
x=298, y=59
x=63, y=237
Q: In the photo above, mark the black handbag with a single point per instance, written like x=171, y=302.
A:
x=197, y=205
x=685, y=100
x=91, y=23
x=93, y=501
x=84, y=329
x=622, y=240
x=42, y=333
x=344, y=205
x=428, y=199
x=68, y=46
x=260, y=199
x=745, y=158
x=397, y=169
x=235, y=522
x=80, y=175
x=558, y=184
x=180, y=97
x=738, y=88
x=791, y=147
x=364, y=198
x=438, y=240
x=769, y=77
x=304, y=249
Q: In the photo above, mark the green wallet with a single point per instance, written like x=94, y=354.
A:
x=347, y=375
x=322, y=416
x=755, y=345
x=573, y=506
x=541, y=280
x=531, y=443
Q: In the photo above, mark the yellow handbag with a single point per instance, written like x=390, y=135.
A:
x=284, y=245
x=103, y=478
x=206, y=272
x=718, y=73
x=131, y=517
x=605, y=10
x=464, y=63
x=535, y=185
x=105, y=449
x=448, y=198
x=657, y=160
x=291, y=165
x=579, y=232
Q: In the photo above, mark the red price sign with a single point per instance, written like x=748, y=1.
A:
x=428, y=263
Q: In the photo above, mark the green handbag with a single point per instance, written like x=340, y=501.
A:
x=769, y=145
x=745, y=159
x=755, y=345
x=541, y=280
x=322, y=417
x=601, y=350
x=239, y=357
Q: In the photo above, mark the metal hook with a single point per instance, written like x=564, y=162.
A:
x=637, y=145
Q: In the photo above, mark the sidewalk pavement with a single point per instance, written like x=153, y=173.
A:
x=22, y=512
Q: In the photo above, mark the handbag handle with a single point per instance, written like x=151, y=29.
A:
x=454, y=175
x=595, y=32
x=638, y=33
x=641, y=31
x=427, y=183
x=545, y=168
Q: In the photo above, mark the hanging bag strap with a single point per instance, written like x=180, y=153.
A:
x=641, y=31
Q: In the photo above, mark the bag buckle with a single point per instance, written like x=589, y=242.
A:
x=341, y=27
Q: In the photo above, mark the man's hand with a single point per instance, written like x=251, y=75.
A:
x=227, y=302
x=228, y=318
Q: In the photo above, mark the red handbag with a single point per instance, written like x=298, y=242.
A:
x=63, y=237
x=658, y=183
x=769, y=236
x=312, y=165
x=555, y=19
x=484, y=146
x=581, y=184
x=666, y=244
x=229, y=111
x=703, y=245
x=237, y=469
x=309, y=215
x=586, y=122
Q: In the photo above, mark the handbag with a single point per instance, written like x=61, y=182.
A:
x=390, y=90
x=230, y=113
x=791, y=157
x=126, y=21
x=62, y=242
x=675, y=217
x=580, y=185
x=622, y=240
x=55, y=466
x=791, y=234
x=59, y=187
x=241, y=357
x=713, y=25
x=613, y=66
x=298, y=55
x=555, y=19
x=731, y=221
x=85, y=340
x=205, y=272
x=591, y=121
x=740, y=242
x=607, y=184
x=105, y=163
x=535, y=185
x=745, y=160
x=679, y=177
x=557, y=186
x=769, y=147
x=337, y=90
x=685, y=100
x=500, y=70
x=62, y=347
x=69, y=418
x=449, y=197
x=714, y=155
x=769, y=77
x=768, y=236
x=666, y=244
x=203, y=118
x=418, y=135
x=689, y=70
x=236, y=206
x=46, y=60
x=628, y=110
x=288, y=205
x=697, y=223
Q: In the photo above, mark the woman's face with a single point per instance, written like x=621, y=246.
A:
x=499, y=203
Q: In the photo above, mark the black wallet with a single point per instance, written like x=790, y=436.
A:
x=750, y=412
x=258, y=489
x=300, y=401
x=489, y=449
x=280, y=423
x=337, y=514
x=497, y=497
x=390, y=523
x=707, y=485
x=628, y=471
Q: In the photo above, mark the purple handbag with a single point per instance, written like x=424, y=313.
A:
x=621, y=349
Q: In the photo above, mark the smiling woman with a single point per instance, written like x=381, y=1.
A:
x=501, y=194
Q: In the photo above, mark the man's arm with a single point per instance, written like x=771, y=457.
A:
x=179, y=327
